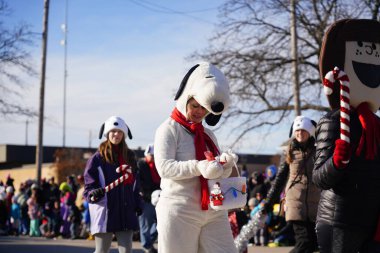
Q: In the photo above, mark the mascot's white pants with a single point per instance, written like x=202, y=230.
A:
x=184, y=228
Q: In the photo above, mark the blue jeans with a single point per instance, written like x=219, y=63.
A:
x=148, y=226
x=24, y=226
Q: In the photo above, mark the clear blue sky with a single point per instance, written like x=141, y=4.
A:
x=125, y=57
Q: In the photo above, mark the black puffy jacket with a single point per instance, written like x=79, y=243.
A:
x=350, y=196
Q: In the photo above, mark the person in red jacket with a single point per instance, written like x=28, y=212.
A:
x=149, y=182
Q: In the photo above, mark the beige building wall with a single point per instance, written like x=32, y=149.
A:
x=21, y=174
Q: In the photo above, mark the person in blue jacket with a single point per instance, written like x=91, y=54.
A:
x=114, y=211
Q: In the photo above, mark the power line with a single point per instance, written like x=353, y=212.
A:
x=163, y=9
x=169, y=10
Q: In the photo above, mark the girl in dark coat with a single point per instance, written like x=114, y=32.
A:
x=115, y=211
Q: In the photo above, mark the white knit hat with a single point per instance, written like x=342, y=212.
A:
x=112, y=123
x=149, y=150
x=9, y=189
x=302, y=122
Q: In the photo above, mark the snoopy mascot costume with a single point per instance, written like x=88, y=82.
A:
x=185, y=221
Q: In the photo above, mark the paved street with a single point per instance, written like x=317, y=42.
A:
x=25, y=244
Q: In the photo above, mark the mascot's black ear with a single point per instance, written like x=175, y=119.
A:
x=213, y=119
x=101, y=131
x=184, y=81
x=129, y=134
x=291, y=130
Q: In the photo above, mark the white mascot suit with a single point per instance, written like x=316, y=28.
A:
x=185, y=222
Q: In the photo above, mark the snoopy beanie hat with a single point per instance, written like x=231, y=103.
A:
x=209, y=87
x=302, y=122
x=149, y=150
x=112, y=123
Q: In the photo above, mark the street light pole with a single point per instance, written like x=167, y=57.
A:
x=64, y=43
x=39, y=148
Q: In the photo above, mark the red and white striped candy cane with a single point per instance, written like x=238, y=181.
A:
x=123, y=168
x=113, y=184
x=328, y=83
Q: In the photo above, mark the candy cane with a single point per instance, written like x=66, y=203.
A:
x=328, y=83
x=123, y=168
x=114, y=183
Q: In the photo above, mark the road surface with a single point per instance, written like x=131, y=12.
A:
x=26, y=244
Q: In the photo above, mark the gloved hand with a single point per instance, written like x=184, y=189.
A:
x=96, y=195
x=228, y=159
x=210, y=169
x=342, y=154
x=138, y=211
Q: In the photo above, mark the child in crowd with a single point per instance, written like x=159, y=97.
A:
x=15, y=217
x=34, y=215
x=45, y=227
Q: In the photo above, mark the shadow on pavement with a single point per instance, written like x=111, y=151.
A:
x=9, y=246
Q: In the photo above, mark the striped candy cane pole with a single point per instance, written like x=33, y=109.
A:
x=123, y=168
x=113, y=184
x=328, y=83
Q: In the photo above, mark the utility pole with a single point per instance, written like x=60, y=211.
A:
x=26, y=132
x=39, y=148
x=295, y=75
x=89, y=139
x=64, y=43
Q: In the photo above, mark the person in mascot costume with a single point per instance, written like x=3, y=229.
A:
x=185, y=221
x=347, y=164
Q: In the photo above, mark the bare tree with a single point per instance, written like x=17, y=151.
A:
x=373, y=8
x=252, y=46
x=15, y=61
x=69, y=161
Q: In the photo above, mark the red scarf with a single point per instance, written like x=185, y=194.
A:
x=369, y=141
x=153, y=172
x=370, y=138
x=201, y=142
x=121, y=160
x=233, y=223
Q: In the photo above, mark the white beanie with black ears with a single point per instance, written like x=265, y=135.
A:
x=149, y=150
x=114, y=122
x=302, y=122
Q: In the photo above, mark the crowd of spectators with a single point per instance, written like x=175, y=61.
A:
x=276, y=231
x=54, y=210
x=46, y=209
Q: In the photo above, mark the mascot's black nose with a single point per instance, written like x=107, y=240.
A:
x=217, y=106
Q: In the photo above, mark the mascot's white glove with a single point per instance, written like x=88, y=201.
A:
x=229, y=160
x=210, y=169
